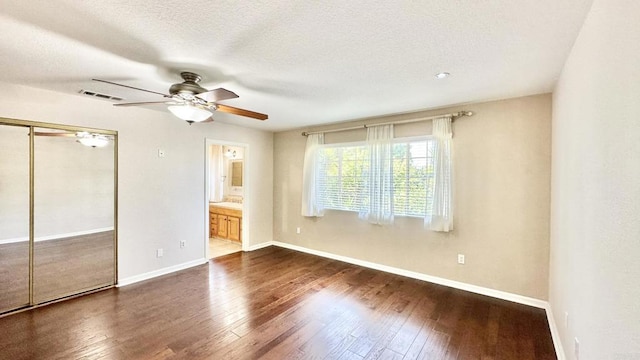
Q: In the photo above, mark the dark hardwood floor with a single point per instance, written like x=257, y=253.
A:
x=275, y=303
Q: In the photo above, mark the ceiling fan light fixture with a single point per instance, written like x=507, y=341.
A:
x=189, y=112
x=92, y=140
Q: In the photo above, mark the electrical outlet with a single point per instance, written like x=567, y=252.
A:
x=159, y=253
x=161, y=153
x=576, y=348
x=183, y=243
x=461, y=259
x=297, y=230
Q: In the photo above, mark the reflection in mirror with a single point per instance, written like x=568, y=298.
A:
x=73, y=215
x=236, y=173
x=14, y=217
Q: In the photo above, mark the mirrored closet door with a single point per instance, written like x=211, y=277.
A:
x=57, y=212
x=14, y=217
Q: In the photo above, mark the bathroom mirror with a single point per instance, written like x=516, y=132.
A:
x=236, y=173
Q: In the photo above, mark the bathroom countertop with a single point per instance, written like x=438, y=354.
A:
x=228, y=205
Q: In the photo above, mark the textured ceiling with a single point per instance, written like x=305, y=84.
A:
x=302, y=62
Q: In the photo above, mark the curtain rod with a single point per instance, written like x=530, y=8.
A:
x=453, y=115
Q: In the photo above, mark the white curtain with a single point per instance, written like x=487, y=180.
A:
x=311, y=202
x=378, y=191
x=440, y=216
x=216, y=171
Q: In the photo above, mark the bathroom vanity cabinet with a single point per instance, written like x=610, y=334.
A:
x=225, y=223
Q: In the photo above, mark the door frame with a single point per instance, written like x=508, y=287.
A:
x=245, y=239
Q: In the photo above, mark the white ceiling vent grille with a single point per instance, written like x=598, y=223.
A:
x=99, y=95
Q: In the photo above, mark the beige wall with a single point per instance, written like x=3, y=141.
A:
x=501, y=220
x=595, y=216
x=161, y=200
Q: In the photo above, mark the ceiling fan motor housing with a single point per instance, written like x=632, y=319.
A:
x=190, y=84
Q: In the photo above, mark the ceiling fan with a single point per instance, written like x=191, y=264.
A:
x=191, y=102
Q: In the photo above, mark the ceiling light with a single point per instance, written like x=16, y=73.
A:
x=442, y=75
x=189, y=112
x=93, y=140
x=230, y=154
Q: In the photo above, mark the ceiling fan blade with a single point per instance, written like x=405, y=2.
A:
x=241, y=112
x=131, y=87
x=142, y=103
x=217, y=95
x=208, y=120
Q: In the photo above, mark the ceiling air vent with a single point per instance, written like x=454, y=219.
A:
x=99, y=95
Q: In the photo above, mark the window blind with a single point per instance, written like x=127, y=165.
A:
x=343, y=170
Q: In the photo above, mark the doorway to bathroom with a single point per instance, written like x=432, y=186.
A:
x=225, y=198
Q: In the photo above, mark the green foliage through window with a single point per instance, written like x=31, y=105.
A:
x=344, y=169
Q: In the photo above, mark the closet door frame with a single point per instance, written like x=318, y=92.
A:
x=32, y=125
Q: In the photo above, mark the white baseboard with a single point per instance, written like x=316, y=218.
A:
x=415, y=275
x=555, y=336
x=56, y=236
x=151, y=274
x=260, y=246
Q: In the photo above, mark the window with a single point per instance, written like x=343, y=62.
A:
x=413, y=170
x=343, y=170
